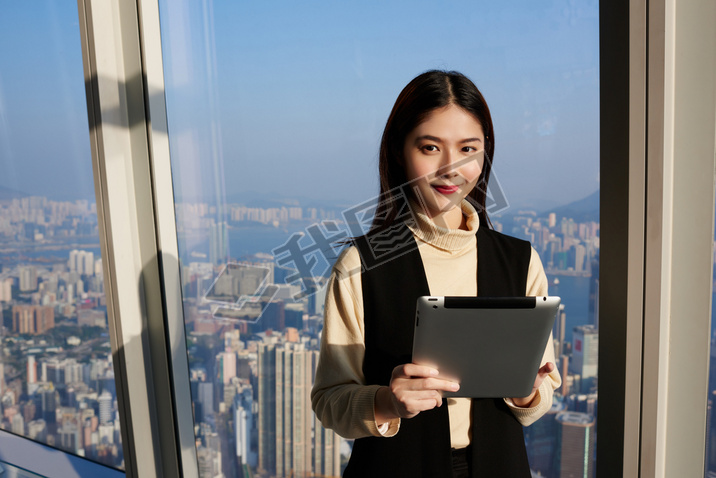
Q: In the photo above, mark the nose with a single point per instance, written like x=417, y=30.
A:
x=448, y=164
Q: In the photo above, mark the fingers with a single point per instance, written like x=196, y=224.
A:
x=542, y=373
x=546, y=369
x=413, y=370
x=420, y=377
x=416, y=388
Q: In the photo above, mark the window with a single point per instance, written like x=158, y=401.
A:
x=57, y=383
x=274, y=130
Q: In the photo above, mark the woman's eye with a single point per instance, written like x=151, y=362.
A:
x=429, y=147
x=469, y=149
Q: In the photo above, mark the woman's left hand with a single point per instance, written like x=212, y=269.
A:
x=544, y=370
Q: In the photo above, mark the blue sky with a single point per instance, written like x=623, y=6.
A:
x=280, y=98
x=302, y=92
x=44, y=141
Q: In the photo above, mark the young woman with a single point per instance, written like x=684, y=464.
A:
x=430, y=236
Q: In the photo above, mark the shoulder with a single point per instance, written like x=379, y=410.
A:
x=537, y=284
x=348, y=262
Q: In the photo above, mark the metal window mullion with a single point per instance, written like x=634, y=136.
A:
x=657, y=244
x=681, y=158
x=622, y=166
x=166, y=231
x=692, y=149
x=636, y=205
x=118, y=131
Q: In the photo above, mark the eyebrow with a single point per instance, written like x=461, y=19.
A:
x=438, y=140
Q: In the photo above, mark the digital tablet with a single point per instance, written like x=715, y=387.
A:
x=491, y=346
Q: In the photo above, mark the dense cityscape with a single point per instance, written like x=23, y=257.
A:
x=56, y=374
x=253, y=330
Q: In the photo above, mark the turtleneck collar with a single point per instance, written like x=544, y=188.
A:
x=443, y=238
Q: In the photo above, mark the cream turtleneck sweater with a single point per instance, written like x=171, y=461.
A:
x=341, y=399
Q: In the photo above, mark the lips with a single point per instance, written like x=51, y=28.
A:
x=446, y=189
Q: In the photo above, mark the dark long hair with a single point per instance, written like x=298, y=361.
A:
x=427, y=92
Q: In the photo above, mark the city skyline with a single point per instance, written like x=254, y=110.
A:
x=587, y=204
x=54, y=310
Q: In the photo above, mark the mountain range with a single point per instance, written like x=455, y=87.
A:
x=582, y=210
x=7, y=194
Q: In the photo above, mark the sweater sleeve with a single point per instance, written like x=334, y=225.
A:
x=340, y=397
x=537, y=286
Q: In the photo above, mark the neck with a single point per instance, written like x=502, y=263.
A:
x=452, y=219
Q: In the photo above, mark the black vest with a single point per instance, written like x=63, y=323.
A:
x=390, y=290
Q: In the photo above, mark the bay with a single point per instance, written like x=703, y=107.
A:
x=574, y=292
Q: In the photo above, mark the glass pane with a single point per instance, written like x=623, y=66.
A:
x=9, y=471
x=56, y=374
x=710, y=465
x=275, y=117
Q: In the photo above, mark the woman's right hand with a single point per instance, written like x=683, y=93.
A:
x=413, y=389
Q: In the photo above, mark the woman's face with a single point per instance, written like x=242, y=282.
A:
x=444, y=156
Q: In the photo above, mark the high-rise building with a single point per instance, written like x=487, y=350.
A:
x=203, y=398
x=70, y=438
x=37, y=430
x=552, y=219
x=48, y=400
x=576, y=444
x=219, y=243
x=32, y=319
x=585, y=355
x=291, y=441
x=28, y=279
x=541, y=439
x=293, y=410
x=72, y=261
x=267, y=408
x=225, y=367
x=82, y=262
x=232, y=341
x=31, y=370
x=18, y=424
x=327, y=450
x=6, y=289
x=209, y=462
x=580, y=253
x=106, y=433
x=88, y=263
x=105, y=407
x=244, y=426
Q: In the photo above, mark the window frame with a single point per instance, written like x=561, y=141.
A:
x=645, y=135
x=660, y=162
x=45, y=460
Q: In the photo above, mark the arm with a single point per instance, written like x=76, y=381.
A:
x=528, y=409
x=340, y=397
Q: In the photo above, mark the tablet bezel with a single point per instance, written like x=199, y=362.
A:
x=492, y=346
